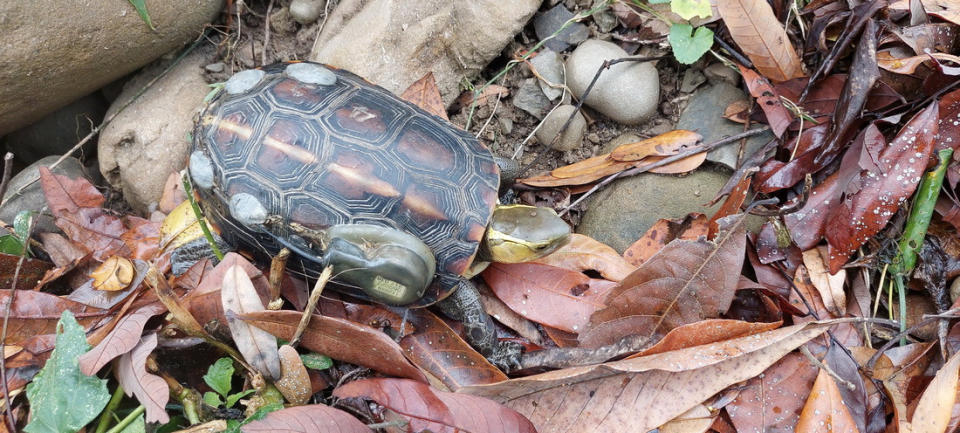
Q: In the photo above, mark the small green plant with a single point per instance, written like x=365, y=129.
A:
x=688, y=44
x=219, y=377
x=316, y=361
x=16, y=243
x=141, y=7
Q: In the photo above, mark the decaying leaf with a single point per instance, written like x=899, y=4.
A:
x=151, y=390
x=114, y=274
x=583, y=253
x=307, y=419
x=755, y=28
x=663, y=232
x=258, y=347
x=425, y=94
x=122, y=339
x=825, y=410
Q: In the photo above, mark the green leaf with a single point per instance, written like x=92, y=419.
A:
x=689, y=49
x=233, y=426
x=212, y=399
x=316, y=361
x=63, y=399
x=219, y=376
x=138, y=425
x=233, y=398
x=14, y=243
x=10, y=244
x=141, y=7
x=688, y=9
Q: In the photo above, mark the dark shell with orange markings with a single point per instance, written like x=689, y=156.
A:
x=346, y=152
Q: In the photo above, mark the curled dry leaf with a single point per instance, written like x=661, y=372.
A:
x=257, y=346
x=339, y=339
x=114, y=274
x=425, y=94
x=641, y=394
x=204, y=302
x=663, y=232
x=825, y=410
x=666, y=144
x=151, y=390
x=768, y=99
x=866, y=212
x=122, y=339
x=706, y=332
x=583, y=253
x=687, y=281
x=439, y=351
x=933, y=410
x=314, y=418
x=294, y=382
x=755, y=28
x=545, y=294
x=430, y=409
x=830, y=286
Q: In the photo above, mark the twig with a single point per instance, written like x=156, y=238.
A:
x=3, y=333
x=311, y=304
x=266, y=35
x=492, y=114
x=647, y=167
x=816, y=362
x=7, y=172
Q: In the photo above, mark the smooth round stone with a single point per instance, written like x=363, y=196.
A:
x=243, y=81
x=572, y=138
x=306, y=11
x=311, y=73
x=246, y=209
x=628, y=92
x=201, y=170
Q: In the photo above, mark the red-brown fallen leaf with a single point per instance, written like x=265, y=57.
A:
x=687, y=281
x=172, y=195
x=258, y=347
x=737, y=111
x=37, y=313
x=151, y=390
x=806, y=225
x=755, y=28
x=545, y=294
x=425, y=94
x=30, y=272
x=933, y=410
x=437, y=411
x=439, y=351
x=492, y=91
x=768, y=99
x=642, y=393
x=949, y=121
x=314, y=418
x=142, y=238
x=97, y=230
x=830, y=286
x=731, y=205
x=507, y=317
x=866, y=212
x=775, y=175
x=62, y=252
x=772, y=401
x=122, y=339
x=339, y=339
x=662, y=232
x=583, y=253
x=705, y=332
x=824, y=411
x=65, y=196
x=204, y=302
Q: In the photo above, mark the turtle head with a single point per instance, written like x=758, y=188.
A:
x=519, y=233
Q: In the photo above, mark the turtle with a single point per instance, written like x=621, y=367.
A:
x=342, y=172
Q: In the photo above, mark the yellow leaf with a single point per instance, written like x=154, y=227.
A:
x=112, y=275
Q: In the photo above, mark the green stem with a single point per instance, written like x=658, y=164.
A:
x=902, y=300
x=129, y=419
x=199, y=215
x=108, y=411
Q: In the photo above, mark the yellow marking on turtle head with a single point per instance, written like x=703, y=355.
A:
x=290, y=150
x=366, y=181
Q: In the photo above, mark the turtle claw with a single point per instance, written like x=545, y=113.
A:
x=507, y=356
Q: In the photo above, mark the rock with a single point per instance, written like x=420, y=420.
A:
x=394, y=43
x=704, y=114
x=54, y=52
x=605, y=18
x=530, y=98
x=719, y=72
x=624, y=210
x=572, y=138
x=550, y=66
x=551, y=21
x=307, y=11
x=148, y=140
x=215, y=67
x=57, y=132
x=692, y=78
x=627, y=92
x=32, y=197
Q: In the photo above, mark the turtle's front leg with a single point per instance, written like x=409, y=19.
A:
x=464, y=305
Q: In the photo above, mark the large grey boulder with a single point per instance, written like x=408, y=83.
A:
x=394, y=43
x=54, y=52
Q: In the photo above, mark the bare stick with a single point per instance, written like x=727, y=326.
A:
x=311, y=304
x=7, y=172
x=8, y=402
x=670, y=159
x=266, y=35
x=277, y=266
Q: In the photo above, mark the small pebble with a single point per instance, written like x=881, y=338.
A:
x=572, y=138
x=215, y=67
x=550, y=67
x=306, y=11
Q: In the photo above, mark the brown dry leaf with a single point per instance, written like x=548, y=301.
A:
x=706, y=332
x=37, y=313
x=549, y=295
x=662, y=232
x=31, y=271
x=425, y=94
x=142, y=238
x=686, y=282
x=492, y=91
x=62, y=252
x=696, y=420
x=583, y=172
x=643, y=393
x=66, y=196
x=772, y=401
x=204, y=302
x=933, y=410
x=731, y=205
x=825, y=411
x=151, y=390
x=122, y=339
x=583, y=253
x=340, y=339
x=737, y=111
x=908, y=65
x=428, y=409
x=172, y=195
x=294, y=384
x=768, y=99
x=507, y=317
x=755, y=28
x=257, y=346
x=112, y=275
x=830, y=286
x=313, y=418
x=666, y=144
x=439, y=351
